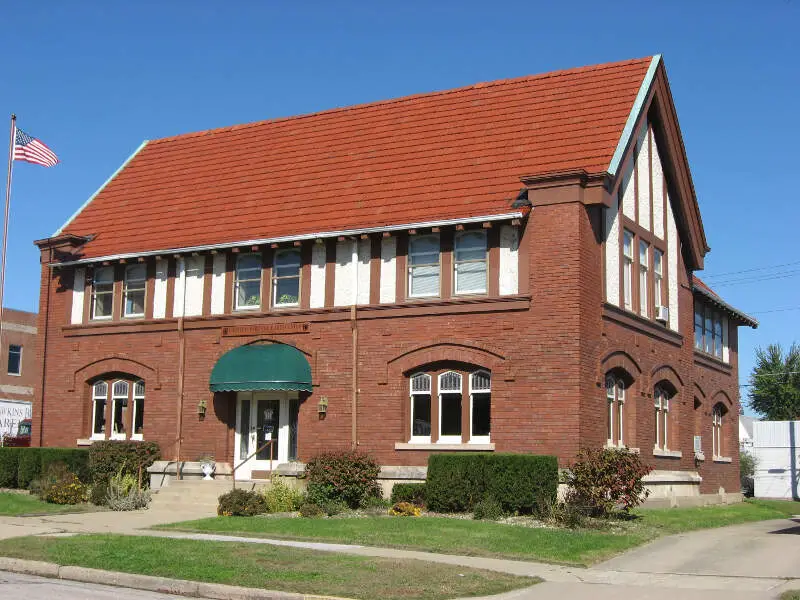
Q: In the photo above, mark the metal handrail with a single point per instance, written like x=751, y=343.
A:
x=259, y=449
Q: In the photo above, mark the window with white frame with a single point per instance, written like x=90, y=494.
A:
x=644, y=266
x=423, y=266
x=247, y=283
x=480, y=399
x=661, y=400
x=99, y=399
x=421, y=407
x=658, y=279
x=615, y=398
x=717, y=413
x=14, y=359
x=138, y=411
x=103, y=293
x=470, y=262
x=133, y=291
x=119, y=409
x=627, y=268
x=450, y=407
x=286, y=278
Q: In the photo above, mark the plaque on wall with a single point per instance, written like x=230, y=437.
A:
x=265, y=329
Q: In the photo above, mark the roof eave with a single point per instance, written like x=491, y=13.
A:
x=743, y=318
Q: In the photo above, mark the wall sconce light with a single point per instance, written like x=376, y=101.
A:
x=322, y=407
x=201, y=409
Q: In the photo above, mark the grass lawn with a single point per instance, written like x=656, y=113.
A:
x=791, y=595
x=268, y=567
x=482, y=538
x=15, y=504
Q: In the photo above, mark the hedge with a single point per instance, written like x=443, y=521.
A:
x=518, y=482
x=9, y=466
x=409, y=492
x=19, y=467
x=76, y=459
x=109, y=457
x=30, y=467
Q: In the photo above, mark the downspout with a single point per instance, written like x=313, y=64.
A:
x=354, y=329
x=49, y=272
x=181, y=354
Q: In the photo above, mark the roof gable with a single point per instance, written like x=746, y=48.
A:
x=439, y=156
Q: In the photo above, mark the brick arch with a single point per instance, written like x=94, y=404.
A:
x=721, y=397
x=274, y=341
x=668, y=374
x=115, y=364
x=699, y=392
x=469, y=352
x=618, y=359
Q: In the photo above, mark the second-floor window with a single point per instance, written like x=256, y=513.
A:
x=470, y=264
x=247, y=286
x=708, y=330
x=14, y=359
x=286, y=278
x=658, y=279
x=627, y=268
x=134, y=290
x=644, y=264
x=423, y=266
x=103, y=293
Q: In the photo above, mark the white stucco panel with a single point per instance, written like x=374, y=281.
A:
x=628, y=191
x=364, y=254
x=509, y=260
x=180, y=287
x=643, y=170
x=388, y=292
x=218, y=285
x=318, y=260
x=658, y=192
x=673, y=247
x=160, y=290
x=78, y=287
x=612, y=251
x=344, y=274
x=195, y=278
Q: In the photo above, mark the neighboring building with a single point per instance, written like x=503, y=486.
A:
x=746, y=433
x=18, y=368
x=374, y=276
x=776, y=449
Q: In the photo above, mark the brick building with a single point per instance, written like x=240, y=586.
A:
x=503, y=267
x=19, y=371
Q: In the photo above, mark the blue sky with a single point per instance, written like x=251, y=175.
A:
x=93, y=79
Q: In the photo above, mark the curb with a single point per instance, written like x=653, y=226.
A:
x=164, y=585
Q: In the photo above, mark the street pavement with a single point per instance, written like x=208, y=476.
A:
x=17, y=585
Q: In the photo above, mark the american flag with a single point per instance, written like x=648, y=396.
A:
x=28, y=148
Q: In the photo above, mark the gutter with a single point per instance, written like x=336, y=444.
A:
x=744, y=317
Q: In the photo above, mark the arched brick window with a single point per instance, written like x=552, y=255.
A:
x=615, y=418
x=718, y=414
x=117, y=407
x=663, y=430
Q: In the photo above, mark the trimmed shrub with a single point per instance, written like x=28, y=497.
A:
x=405, y=509
x=520, y=483
x=281, y=497
x=108, y=457
x=9, y=466
x=60, y=486
x=349, y=476
x=30, y=467
x=604, y=481
x=241, y=503
x=488, y=509
x=76, y=459
x=409, y=492
x=311, y=510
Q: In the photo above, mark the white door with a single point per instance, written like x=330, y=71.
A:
x=262, y=417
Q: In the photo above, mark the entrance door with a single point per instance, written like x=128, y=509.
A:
x=262, y=417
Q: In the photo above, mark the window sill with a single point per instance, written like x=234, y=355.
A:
x=15, y=374
x=660, y=452
x=118, y=438
x=86, y=442
x=610, y=446
x=470, y=447
x=723, y=459
x=137, y=437
x=711, y=361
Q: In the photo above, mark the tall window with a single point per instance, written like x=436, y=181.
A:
x=480, y=398
x=421, y=408
x=119, y=409
x=286, y=278
x=615, y=397
x=247, y=286
x=708, y=328
x=423, y=266
x=103, y=293
x=99, y=398
x=450, y=407
x=716, y=430
x=134, y=290
x=658, y=279
x=644, y=265
x=470, y=264
x=138, y=411
x=14, y=359
x=627, y=268
x=661, y=397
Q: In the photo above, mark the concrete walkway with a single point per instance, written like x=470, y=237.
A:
x=755, y=561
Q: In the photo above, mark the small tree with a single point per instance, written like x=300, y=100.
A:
x=747, y=471
x=775, y=383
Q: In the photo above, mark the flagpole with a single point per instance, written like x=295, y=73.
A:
x=7, y=209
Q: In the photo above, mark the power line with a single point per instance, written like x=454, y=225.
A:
x=763, y=312
x=758, y=279
x=723, y=275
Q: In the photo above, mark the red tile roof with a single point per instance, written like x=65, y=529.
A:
x=444, y=155
x=701, y=286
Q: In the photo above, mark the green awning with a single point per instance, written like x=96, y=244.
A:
x=261, y=367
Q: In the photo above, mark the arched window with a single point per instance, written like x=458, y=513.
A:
x=615, y=397
x=119, y=409
x=480, y=399
x=286, y=278
x=450, y=407
x=717, y=440
x=661, y=399
x=99, y=399
x=138, y=411
x=421, y=408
